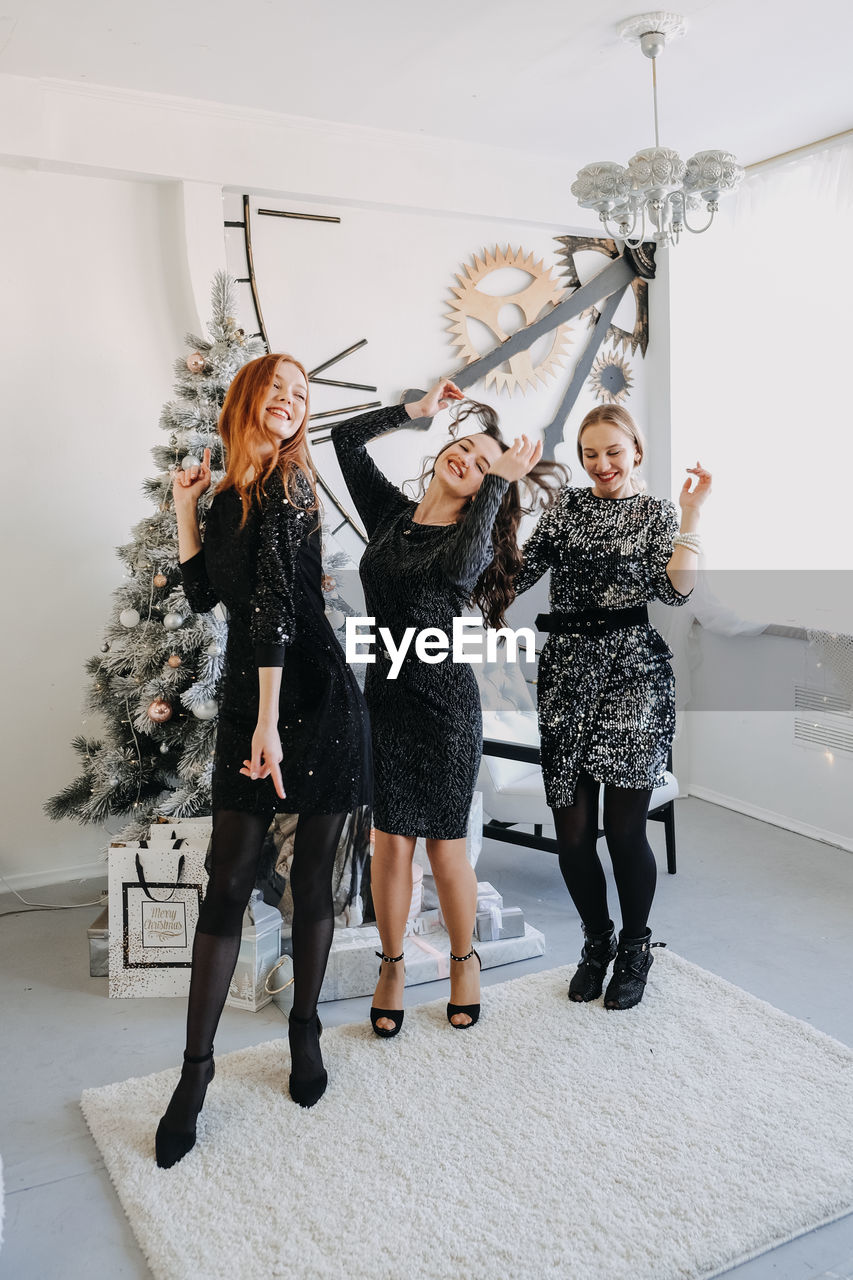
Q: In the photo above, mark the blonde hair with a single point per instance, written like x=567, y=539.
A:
x=621, y=418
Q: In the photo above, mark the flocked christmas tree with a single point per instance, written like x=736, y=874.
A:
x=155, y=680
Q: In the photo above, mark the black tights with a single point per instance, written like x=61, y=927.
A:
x=235, y=853
x=634, y=866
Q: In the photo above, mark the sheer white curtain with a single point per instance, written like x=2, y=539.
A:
x=762, y=371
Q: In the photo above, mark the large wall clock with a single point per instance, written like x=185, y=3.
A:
x=597, y=300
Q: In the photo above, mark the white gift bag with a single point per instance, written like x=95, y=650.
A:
x=154, y=899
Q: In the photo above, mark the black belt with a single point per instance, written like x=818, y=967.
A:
x=592, y=622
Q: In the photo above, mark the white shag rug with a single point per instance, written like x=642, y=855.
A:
x=552, y=1140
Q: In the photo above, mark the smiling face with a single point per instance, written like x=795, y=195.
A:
x=461, y=465
x=609, y=457
x=283, y=409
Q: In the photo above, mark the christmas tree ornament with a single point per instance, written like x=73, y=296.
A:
x=164, y=748
x=195, y=362
x=214, y=649
x=105, y=648
x=174, y=660
x=171, y=621
x=160, y=711
x=206, y=710
x=129, y=618
x=189, y=461
x=160, y=579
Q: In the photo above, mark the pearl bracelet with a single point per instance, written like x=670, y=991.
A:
x=691, y=541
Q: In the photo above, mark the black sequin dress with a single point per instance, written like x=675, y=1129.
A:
x=607, y=702
x=427, y=725
x=268, y=575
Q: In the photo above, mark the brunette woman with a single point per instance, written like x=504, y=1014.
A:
x=605, y=684
x=293, y=732
x=425, y=562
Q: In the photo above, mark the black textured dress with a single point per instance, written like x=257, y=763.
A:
x=268, y=575
x=606, y=702
x=427, y=726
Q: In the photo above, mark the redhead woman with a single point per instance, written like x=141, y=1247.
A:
x=605, y=686
x=293, y=732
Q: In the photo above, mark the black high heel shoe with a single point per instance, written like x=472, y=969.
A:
x=311, y=1089
x=393, y=1015
x=171, y=1145
x=471, y=1010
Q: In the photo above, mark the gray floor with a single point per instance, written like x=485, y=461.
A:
x=766, y=909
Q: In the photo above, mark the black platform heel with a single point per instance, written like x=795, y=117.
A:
x=306, y=1092
x=171, y=1145
x=472, y=1010
x=393, y=1015
x=598, y=950
x=633, y=961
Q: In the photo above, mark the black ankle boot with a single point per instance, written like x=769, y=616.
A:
x=633, y=961
x=598, y=950
x=306, y=1089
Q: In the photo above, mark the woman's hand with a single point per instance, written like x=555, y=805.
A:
x=266, y=756
x=188, y=486
x=691, y=498
x=439, y=398
x=516, y=461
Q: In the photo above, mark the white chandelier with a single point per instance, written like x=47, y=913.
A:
x=655, y=193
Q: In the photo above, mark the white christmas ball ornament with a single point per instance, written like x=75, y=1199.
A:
x=206, y=710
x=214, y=649
x=189, y=461
x=171, y=621
x=129, y=618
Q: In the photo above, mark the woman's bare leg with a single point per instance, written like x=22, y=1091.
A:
x=456, y=885
x=391, y=884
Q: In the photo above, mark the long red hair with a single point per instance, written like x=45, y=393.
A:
x=249, y=465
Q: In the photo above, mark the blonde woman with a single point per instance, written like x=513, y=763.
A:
x=605, y=686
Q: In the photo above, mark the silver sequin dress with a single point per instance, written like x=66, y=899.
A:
x=606, y=703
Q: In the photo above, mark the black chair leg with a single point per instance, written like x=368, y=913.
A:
x=669, y=836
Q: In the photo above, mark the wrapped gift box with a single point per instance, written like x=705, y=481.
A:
x=498, y=924
x=353, y=967
x=487, y=896
x=99, y=945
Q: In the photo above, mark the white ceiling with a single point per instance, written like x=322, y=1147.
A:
x=551, y=76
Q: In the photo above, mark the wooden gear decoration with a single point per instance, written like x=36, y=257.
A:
x=533, y=299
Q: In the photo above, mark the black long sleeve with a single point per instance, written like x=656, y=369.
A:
x=373, y=493
x=197, y=589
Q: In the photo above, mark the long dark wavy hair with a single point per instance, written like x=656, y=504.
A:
x=494, y=591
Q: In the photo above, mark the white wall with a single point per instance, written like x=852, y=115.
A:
x=94, y=309
x=758, y=305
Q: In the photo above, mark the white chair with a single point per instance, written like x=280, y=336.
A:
x=511, y=777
